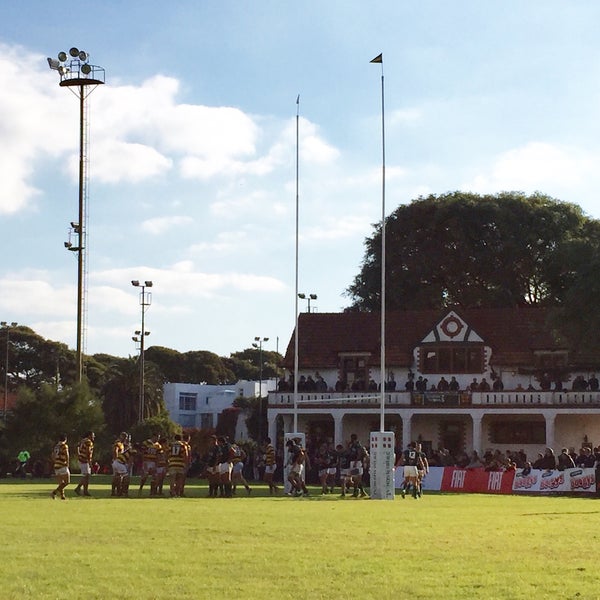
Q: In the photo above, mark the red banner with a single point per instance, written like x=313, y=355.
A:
x=475, y=481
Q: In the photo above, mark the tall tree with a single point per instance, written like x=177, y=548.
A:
x=470, y=250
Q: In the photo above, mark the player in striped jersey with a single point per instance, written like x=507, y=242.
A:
x=161, y=465
x=85, y=451
x=270, y=466
x=185, y=440
x=122, y=454
x=178, y=458
x=60, y=460
x=150, y=450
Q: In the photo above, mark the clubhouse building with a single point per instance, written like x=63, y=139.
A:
x=458, y=379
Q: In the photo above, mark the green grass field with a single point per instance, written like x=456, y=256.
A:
x=442, y=546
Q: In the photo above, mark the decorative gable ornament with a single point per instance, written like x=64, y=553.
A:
x=452, y=328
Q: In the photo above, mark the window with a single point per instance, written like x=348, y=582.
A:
x=451, y=359
x=187, y=401
x=354, y=367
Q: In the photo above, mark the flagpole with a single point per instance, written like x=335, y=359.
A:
x=379, y=59
x=296, y=362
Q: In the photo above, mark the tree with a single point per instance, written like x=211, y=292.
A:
x=41, y=415
x=463, y=249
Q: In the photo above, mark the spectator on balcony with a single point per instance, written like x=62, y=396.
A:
x=498, y=386
x=421, y=384
x=341, y=385
x=558, y=386
x=320, y=384
x=310, y=384
x=453, y=386
x=565, y=461
x=484, y=386
x=390, y=384
x=358, y=385
x=474, y=387
x=372, y=386
x=545, y=383
x=443, y=385
x=593, y=383
x=579, y=384
x=409, y=386
x=302, y=384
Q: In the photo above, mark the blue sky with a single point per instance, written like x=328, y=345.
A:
x=192, y=148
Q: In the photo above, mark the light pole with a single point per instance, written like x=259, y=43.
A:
x=308, y=298
x=258, y=342
x=140, y=336
x=7, y=327
x=81, y=79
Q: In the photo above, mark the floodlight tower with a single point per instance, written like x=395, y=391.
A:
x=140, y=336
x=81, y=78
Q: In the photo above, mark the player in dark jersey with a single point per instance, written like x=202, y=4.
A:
x=325, y=461
x=358, y=454
x=411, y=460
x=212, y=468
x=343, y=468
x=297, y=459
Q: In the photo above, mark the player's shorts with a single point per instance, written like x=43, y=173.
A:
x=270, y=469
x=176, y=470
x=238, y=467
x=297, y=468
x=411, y=471
x=161, y=470
x=61, y=471
x=356, y=468
x=120, y=468
x=85, y=468
x=327, y=471
x=344, y=473
x=148, y=467
x=224, y=468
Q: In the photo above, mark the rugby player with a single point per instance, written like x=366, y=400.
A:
x=150, y=450
x=85, y=451
x=122, y=454
x=212, y=468
x=357, y=454
x=178, y=457
x=325, y=461
x=60, y=460
x=185, y=440
x=270, y=466
x=237, y=471
x=296, y=461
x=422, y=468
x=161, y=464
x=343, y=466
x=411, y=460
x=225, y=466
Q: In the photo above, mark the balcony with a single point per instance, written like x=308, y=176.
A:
x=441, y=400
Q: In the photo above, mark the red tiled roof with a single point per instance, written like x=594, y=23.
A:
x=512, y=333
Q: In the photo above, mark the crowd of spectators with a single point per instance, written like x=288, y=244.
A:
x=511, y=460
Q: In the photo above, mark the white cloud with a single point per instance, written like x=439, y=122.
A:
x=159, y=225
x=535, y=166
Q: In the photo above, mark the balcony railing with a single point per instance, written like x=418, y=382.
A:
x=436, y=399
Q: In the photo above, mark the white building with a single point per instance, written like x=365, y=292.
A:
x=199, y=405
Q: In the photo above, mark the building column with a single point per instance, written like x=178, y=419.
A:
x=288, y=423
x=550, y=429
x=272, y=426
x=477, y=433
x=406, y=428
x=338, y=429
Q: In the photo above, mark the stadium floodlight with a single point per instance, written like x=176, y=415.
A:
x=74, y=52
x=53, y=63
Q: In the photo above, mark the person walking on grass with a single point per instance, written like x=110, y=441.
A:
x=60, y=460
x=270, y=466
x=85, y=451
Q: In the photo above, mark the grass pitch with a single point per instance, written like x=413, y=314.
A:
x=444, y=546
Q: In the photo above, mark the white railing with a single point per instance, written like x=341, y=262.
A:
x=439, y=399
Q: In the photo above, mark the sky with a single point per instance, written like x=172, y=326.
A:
x=192, y=149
